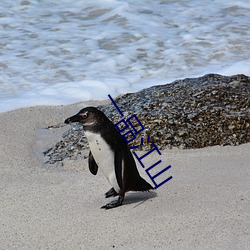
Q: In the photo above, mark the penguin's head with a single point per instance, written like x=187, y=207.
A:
x=88, y=117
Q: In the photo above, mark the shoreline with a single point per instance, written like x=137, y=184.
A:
x=205, y=205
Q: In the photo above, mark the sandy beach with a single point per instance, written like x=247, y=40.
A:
x=44, y=206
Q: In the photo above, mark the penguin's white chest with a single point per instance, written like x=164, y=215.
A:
x=104, y=157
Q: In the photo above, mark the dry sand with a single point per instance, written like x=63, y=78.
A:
x=205, y=206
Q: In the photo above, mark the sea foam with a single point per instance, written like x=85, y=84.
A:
x=64, y=52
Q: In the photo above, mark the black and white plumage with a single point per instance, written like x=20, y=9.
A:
x=109, y=152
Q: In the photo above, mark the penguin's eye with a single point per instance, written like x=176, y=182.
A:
x=84, y=115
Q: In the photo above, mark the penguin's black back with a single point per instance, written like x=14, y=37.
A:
x=96, y=121
x=132, y=180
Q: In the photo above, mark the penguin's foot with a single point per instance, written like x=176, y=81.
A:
x=113, y=204
x=111, y=193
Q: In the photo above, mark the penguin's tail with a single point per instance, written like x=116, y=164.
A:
x=141, y=185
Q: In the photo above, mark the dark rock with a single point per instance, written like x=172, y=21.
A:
x=190, y=113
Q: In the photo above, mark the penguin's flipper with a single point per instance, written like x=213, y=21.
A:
x=118, y=166
x=113, y=204
x=111, y=193
x=92, y=164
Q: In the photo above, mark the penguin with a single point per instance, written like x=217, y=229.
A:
x=109, y=152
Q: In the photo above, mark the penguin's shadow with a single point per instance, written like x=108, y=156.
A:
x=139, y=198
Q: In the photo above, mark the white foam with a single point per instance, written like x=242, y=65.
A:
x=61, y=52
x=242, y=67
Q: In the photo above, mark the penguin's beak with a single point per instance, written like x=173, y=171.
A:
x=74, y=118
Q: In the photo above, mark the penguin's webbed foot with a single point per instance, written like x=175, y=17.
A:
x=111, y=193
x=113, y=204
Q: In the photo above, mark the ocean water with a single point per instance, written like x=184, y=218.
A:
x=61, y=52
